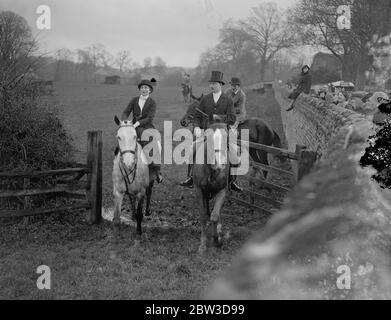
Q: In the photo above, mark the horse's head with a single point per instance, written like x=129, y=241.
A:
x=127, y=142
x=191, y=109
x=218, y=133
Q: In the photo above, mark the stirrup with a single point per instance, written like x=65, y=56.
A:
x=188, y=183
x=235, y=187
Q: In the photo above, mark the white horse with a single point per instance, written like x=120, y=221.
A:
x=131, y=175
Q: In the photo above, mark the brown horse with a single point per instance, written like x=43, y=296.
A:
x=211, y=182
x=259, y=132
x=131, y=175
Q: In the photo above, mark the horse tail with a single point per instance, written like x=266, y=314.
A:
x=276, y=140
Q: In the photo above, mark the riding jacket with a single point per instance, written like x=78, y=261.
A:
x=224, y=107
x=144, y=117
x=239, y=100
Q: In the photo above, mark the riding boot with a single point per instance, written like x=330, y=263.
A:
x=189, y=180
x=233, y=184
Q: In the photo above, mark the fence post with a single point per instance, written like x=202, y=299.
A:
x=304, y=163
x=94, y=162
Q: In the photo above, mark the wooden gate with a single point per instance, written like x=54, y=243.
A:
x=304, y=160
x=88, y=193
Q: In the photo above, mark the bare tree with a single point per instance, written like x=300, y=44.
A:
x=123, y=60
x=98, y=56
x=269, y=32
x=233, y=40
x=64, y=64
x=17, y=45
x=147, y=64
x=160, y=66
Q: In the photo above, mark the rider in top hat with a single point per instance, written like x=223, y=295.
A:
x=143, y=109
x=219, y=108
x=239, y=99
x=303, y=86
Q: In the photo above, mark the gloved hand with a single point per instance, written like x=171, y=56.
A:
x=197, y=132
x=136, y=124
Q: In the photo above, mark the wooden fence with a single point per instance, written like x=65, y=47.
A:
x=304, y=160
x=88, y=194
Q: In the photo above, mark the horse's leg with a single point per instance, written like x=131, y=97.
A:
x=132, y=202
x=203, y=219
x=215, y=217
x=189, y=170
x=139, y=215
x=118, y=197
x=263, y=159
x=149, y=194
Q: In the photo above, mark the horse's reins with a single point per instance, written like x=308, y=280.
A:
x=121, y=164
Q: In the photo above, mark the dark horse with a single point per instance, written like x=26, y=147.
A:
x=211, y=182
x=259, y=132
x=186, y=92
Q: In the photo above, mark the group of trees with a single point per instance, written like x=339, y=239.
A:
x=83, y=63
x=251, y=46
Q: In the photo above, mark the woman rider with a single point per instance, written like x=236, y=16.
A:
x=143, y=108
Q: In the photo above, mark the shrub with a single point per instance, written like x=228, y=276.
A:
x=378, y=155
x=31, y=133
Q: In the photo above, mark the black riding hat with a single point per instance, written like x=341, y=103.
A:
x=217, y=76
x=235, y=81
x=150, y=83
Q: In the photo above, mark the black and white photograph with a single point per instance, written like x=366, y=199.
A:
x=195, y=154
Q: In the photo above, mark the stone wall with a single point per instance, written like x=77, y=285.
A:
x=313, y=122
x=332, y=239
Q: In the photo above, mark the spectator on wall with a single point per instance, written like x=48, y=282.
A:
x=304, y=86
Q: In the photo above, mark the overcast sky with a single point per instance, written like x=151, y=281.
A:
x=176, y=30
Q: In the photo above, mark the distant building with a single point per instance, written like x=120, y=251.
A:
x=113, y=80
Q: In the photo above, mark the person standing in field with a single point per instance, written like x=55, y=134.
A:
x=239, y=100
x=304, y=86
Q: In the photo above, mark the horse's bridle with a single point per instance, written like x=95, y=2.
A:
x=125, y=174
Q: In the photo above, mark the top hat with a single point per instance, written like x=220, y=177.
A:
x=235, y=81
x=150, y=83
x=217, y=76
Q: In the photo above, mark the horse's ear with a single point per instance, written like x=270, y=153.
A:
x=193, y=97
x=116, y=120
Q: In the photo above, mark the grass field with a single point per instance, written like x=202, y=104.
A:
x=88, y=262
